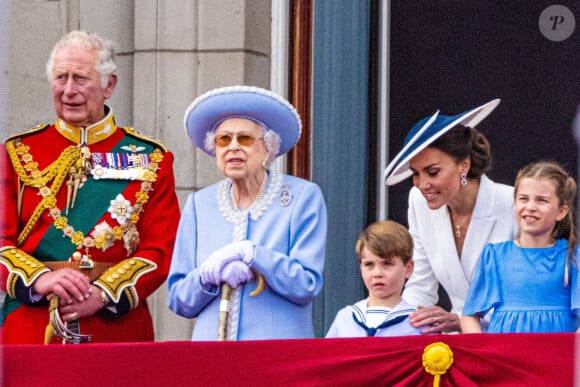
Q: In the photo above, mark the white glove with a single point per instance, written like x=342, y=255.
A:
x=210, y=269
x=236, y=273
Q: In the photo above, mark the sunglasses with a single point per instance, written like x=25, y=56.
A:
x=223, y=140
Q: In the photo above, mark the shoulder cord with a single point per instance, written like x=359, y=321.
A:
x=57, y=171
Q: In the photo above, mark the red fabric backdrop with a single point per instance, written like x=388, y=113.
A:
x=478, y=360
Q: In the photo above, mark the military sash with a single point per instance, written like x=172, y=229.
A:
x=92, y=202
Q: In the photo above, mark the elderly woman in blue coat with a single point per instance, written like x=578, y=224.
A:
x=256, y=233
x=454, y=210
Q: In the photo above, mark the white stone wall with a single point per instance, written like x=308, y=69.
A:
x=168, y=52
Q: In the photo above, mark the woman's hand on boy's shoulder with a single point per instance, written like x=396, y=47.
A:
x=434, y=319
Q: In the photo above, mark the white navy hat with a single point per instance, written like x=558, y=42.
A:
x=425, y=132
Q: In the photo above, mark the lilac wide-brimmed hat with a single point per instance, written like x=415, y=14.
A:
x=425, y=132
x=207, y=111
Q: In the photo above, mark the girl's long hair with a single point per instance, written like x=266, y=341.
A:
x=566, y=194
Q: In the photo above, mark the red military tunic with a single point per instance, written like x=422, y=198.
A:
x=123, y=216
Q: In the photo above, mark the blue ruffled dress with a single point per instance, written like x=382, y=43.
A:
x=525, y=288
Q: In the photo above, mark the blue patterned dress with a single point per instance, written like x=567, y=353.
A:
x=525, y=287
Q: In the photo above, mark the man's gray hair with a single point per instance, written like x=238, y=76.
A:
x=105, y=63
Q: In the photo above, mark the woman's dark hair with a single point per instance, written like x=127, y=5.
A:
x=461, y=142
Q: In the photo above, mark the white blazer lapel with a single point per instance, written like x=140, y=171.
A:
x=482, y=222
x=477, y=235
x=446, y=263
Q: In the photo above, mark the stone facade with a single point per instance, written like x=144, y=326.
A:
x=168, y=52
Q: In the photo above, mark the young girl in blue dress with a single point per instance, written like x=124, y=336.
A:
x=531, y=283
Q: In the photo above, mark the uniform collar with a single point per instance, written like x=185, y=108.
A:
x=90, y=134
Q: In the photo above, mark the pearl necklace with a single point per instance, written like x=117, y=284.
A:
x=259, y=197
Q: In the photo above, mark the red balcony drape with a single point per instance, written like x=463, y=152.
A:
x=478, y=360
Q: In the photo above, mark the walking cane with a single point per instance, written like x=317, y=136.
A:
x=225, y=301
x=223, y=320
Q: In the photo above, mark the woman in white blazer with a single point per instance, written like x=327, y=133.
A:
x=454, y=210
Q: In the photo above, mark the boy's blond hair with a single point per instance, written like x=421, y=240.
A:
x=386, y=239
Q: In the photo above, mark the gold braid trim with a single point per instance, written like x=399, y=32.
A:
x=132, y=297
x=29, y=173
x=131, y=131
x=32, y=177
x=20, y=265
x=11, y=285
x=38, y=128
x=44, y=204
x=122, y=278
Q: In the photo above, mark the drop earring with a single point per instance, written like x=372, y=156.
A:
x=463, y=180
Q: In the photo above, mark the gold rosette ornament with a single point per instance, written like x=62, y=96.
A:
x=437, y=359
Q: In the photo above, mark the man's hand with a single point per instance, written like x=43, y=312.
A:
x=87, y=307
x=68, y=284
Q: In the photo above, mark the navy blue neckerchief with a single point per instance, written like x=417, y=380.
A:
x=385, y=324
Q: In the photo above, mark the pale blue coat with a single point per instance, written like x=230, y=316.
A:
x=290, y=250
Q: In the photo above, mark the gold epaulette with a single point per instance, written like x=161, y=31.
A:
x=20, y=265
x=37, y=129
x=132, y=132
x=122, y=278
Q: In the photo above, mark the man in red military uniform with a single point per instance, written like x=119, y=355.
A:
x=89, y=212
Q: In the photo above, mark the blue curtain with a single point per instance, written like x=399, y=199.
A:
x=339, y=144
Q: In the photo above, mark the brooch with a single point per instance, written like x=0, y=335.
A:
x=285, y=196
x=120, y=209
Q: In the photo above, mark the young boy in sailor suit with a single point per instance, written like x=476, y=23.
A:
x=385, y=255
